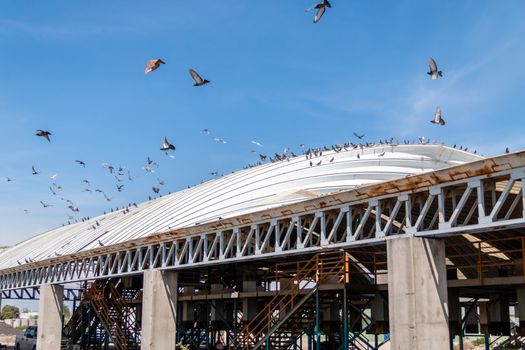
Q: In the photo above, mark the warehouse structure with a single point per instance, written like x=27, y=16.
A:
x=342, y=249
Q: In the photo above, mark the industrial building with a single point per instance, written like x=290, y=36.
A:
x=399, y=246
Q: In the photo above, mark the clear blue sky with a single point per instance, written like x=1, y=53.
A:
x=77, y=69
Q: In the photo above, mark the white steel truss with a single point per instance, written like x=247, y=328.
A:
x=476, y=197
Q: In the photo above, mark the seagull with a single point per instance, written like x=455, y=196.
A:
x=257, y=143
x=437, y=117
x=81, y=163
x=360, y=137
x=45, y=205
x=198, y=80
x=219, y=140
x=44, y=134
x=155, y=189
x=321, y=8
x=34, y=171
x=433, y=69
x=153, y=65
x=166, y=146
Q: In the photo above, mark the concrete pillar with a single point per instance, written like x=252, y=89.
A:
x=499, y=317
x=454, y=312
x=417, y=293
x=50, y=310
x=159, y=310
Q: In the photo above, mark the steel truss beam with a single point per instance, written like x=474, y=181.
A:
x=443, y=203
x=33, y=293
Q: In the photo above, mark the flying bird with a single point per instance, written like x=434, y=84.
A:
x=9, y=179
x=44, y=134
x=100, y=242
x=206, y=131
x=26, y=211
x=52, y=177
x=52, y=191
x=214, y=173
x=130, y=178
x=34, y=171
x=198, y=80
x=81, y=163
x=161, y=182
x=166, y=146
x=45, y=205
x=120, y=187
x=219, y=140
x=433, y=69
x=360, y=137
x=155, y=189
x=257, y=143
x=437, y=117
x=321, y=8
x=86, y=182
x=153, y=65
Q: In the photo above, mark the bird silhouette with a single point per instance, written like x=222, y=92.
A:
x=198, y=80
x=360, y=137
x=155, y=189
x=437, y=117
x=433, y=69
x=81, y=163
x=153, y=65
x=257, y=143
x=166, y=146
x=44, y=134
x=34, y=171
x=45, y=205
x=321, y=8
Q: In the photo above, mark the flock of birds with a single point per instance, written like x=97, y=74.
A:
x=121, y=174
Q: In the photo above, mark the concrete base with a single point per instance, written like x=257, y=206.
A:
x=417, y=293
x=50, y=310
x=159, y=310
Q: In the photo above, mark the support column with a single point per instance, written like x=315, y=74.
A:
x=159, y=310
x=50, y=310
x=417, y=293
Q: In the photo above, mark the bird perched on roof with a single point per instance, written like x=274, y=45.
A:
x=321, y=8
x=433, y=69
x=437, y=117
x=44, y=134
x=153, y=65
x=166, y=146
x=34, y=171
x=198, y=80
x=80, y=163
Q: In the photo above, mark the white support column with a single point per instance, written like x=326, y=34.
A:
x=159, y=310
x=50, y=310
x=417, y=293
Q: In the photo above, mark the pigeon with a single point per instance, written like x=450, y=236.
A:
x=26, y=211
x=437, y=117
x=214, y=173
x=107, y=198
x=86, y=182
x=219, y=140
x=507, y=150
x=52, y=191
x=433, y=69
x=381, y=154
x=130, y=178
x=120, y=187
x=198, y=80
x=81, y=163
x=73, y=209
x=44, y=134
x=257, y=143
x=166, y=146
x=155, y=189
x=206, y=131
x=161, y=182
x=100, y=243
x=34, y=171
x=9, y=179
x=262, y=156
x=321, y=8
x=153, y=65
x=332, y=159
x=52, y=177
x=360, y=137
x=45, y=205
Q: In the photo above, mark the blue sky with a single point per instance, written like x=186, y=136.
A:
x=77, y=69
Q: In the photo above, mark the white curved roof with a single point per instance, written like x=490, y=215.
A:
x=245, y=191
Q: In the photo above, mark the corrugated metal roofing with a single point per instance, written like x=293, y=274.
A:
x=250, y=190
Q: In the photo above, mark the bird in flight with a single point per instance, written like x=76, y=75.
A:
x=80, y=163
x=219, y=140
x=52, y=177
x=198, y=80
x=206, y=131
x=155, y=189
x=166, y=146
x=433, y=69
x=360, y=137
x=437, y=117
x=44, y=134
x=257, y=143
x=214, y=173
x=45, y=205
x=153, y=65
x=34, y=171
x=86, y=182
x=321, y=8
x=161, y=182
x=130, y=178
x=120, y=187
x=9, y=179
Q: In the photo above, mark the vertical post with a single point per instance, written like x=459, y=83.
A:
x=310, y=338
x=345, y=305
x=159, y=310
x=487, y=341
x=317, y=319
x=50, y=312
x=235, y=313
